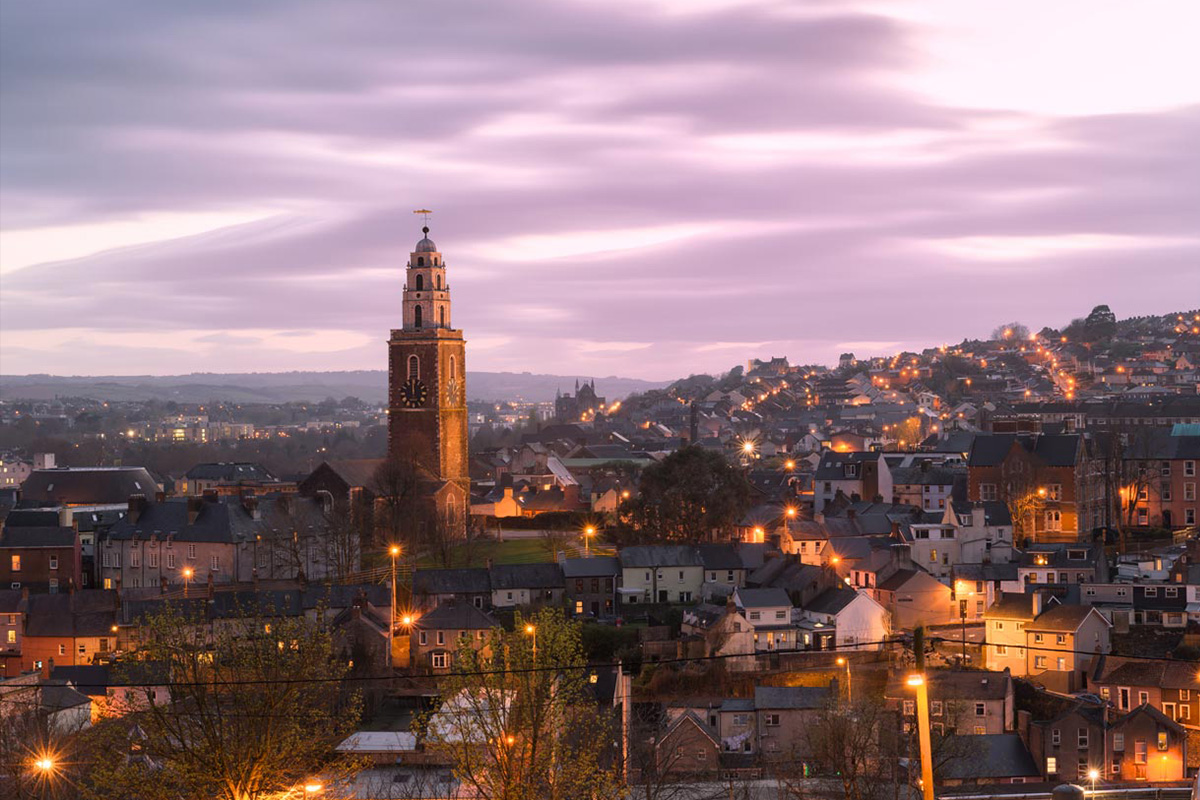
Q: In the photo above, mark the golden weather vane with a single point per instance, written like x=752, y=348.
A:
x=424, y=212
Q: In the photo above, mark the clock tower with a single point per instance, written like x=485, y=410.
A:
x=427, y=399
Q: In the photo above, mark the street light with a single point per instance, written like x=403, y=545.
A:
x=842, y=662
x=312, y=788
x=44, y=764
x=187, y=579
x=1093, y=774
x=962, y=612
x=918, y=683
x=394, y=552
x=588, y=533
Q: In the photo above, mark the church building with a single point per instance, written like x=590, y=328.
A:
x=427, y=399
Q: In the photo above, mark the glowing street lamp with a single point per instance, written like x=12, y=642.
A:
x=311, y=789
x=187, y=579
x=1093, y=774
x=588, y=533
x=44, y=764
x=394, y=552
x=530, y=630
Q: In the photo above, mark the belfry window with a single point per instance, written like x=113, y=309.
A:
x=414, y=367
x=453, y=367
x=420, y=283
x=417, y=317
x=420, y=261
x=442, y=317
x=439, y=281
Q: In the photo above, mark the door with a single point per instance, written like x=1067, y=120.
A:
x=595, y=608
x=662, y=595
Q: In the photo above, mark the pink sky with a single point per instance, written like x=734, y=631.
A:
x=621, y=187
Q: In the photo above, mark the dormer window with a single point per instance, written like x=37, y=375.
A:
x=1077, y=555
x=852, y=470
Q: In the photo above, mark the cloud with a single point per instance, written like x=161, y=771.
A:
x=648, y=189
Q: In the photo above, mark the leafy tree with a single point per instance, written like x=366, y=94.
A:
x=690, y=494
x=255, y=709
x=1100, y=324
x=517, y=720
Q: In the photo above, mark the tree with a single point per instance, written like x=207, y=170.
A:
x=692, y=493
x=397, y=484
x=1099, y=325
x=1011, y=331
x=517, y=720
x=28, y=734
x=850, y=744
x=255, y=709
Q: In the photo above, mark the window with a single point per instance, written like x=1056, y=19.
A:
x=16, y=563
x=980, y=709
x=1184, y=694
x=1139, y=751
x=192, y=552
x=987, y=491
x=1001, y=649
x=152, y=558
x=12, y=637
x=1189, y=491
x=440, y=660
x=420, y=282
x=1054, y=520
x=1189, y=516
x=1061, y=638
x=936, y=708
x=1171, y=591
x=62, y=649
x=1118, y=743
x=1143, y=698
x=1051, y=765
x=1083, y=738
x=53, y=562
x=910, y=707
x=1169, y=710
x=780, y=615
x=933, y=556
x=441, y=637
x=578, y=606
x=1189, y=468
x=135, y=558
x=1037, y=638
x=1054, y=492
x=170, y=561
x=1056, y=737
x=772, y=720
x=214, y=563
x=1151, y=591
x=1039, y=662
x=1163, y=740
x=414, y=363
x=1083, y=767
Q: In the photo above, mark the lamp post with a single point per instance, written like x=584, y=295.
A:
x=1093, y=774
x=187, y=579
x=962, y=612
x=532, y=631
x=844, y=662
x=918, y=683
x=588, y=533
x=394, y=552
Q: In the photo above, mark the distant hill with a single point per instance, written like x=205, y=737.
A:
x=281, y=387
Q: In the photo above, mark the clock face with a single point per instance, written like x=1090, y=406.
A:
x=452, y=390
x=413, y=393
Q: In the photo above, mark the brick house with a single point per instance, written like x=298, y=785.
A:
x=13, y=605
x=861, y=475
x=688, y=748
x=67, y=629
x=1163, y=466
x=436, y=635
x=967, y=702
x=1048, y=477
x=591, y=585
x=1170, y=687
x=41, y=559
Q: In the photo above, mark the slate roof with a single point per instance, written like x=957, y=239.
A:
x=60, y=697
x=230, y=472
x=1056, y=450
x=456, y=616
x=995, y=513
x=990, y=756
x=1011, y=605
x=1152, y=673
x=355, y=472
x=10, y=601
x=593, y=567
x=88, y=612
x=830, y=468
x=94, y=679
x=88, y=485
x=899, y=578
x=660, y=555
x=947, y=684
x=57, y=536
x=32, y=518
x=831, y=601
x=762, y=598
x=212, y=524
x=791, y=697
x=720, y=557
x=471, y=580
x=1061, y=618
x=526, y=576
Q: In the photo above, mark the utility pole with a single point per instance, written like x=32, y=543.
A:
x=918, y=682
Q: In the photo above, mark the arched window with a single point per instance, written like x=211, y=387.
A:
x=417, y=317
x=420, y=283
x=414, y=368
x=442, y=316
x=453, y=367
x=451, y=512
x=420, y=261
x=439, y=282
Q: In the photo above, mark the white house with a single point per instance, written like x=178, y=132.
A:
x=661, y=574
x=859, y=621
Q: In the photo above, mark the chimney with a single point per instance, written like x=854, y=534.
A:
x=896, y=534
x=250, y=503
x=137, y=504
x=902, y=555
x=193, y=509
x=1038, y=604
x=925, y=465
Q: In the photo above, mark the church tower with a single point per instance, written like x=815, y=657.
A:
x=427, y=399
